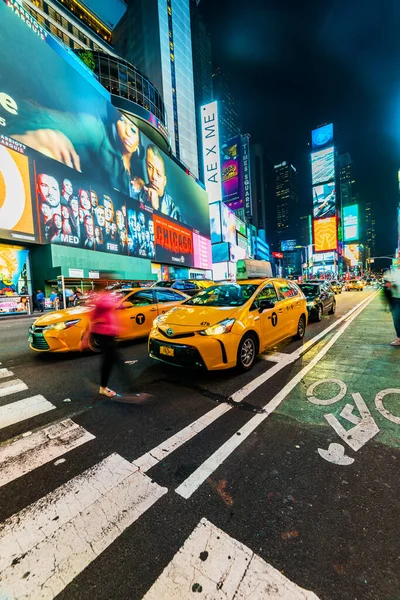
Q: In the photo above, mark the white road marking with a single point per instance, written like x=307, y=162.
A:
x=47, y=544
x=5, y=373
x=26, y=454
x=221, y=568
x=246, y=390
x=276, y=357
x=336, y=455
x=23, y=409
x=193, y=482
x=150, y=459
x=12, y=387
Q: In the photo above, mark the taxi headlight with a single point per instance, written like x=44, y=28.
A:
x=222, y=327
x=62, y=325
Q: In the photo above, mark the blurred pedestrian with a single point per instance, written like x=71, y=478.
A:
x=105, y=327
x=394, y=286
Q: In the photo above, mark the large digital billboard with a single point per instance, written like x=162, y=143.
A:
x=69, y=131
x=353, y=253
x=323, y=165
x=350, y=223
x=211, y=151
x=288, y=245
x=322, y=136
x=222, y=223
x=325, y=234
x=231, y=174
x=324, y=200
x=16, y=219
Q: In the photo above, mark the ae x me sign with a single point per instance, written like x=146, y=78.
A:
x=211, y=151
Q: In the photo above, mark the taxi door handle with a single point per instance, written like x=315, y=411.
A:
x=153, y=310
x=280, y=311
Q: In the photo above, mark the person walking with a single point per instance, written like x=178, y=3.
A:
x=104, y=325
x=392, y=284
x=40, y=300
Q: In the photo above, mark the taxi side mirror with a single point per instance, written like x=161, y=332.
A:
x=265, y=304
x=125, y=305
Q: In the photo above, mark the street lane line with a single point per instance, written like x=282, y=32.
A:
x=152, y=458
x=250, y=387
x=23, y=409
x=12, y=387
x=47, y=544
x=221, y=568
x=26, y=454
x=193, y=482
x=5, y=373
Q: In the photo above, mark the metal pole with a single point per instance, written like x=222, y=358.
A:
x=63, y=291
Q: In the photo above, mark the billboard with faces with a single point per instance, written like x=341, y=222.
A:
x=62, y=115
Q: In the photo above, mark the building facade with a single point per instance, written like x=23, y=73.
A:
x=287, y=200
x=226, y=94
x=347, y=180
x=155, y=36
x=258, y=187
x=370, y=228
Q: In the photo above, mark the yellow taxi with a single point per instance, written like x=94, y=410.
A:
x=355, y=284
x=69, y=329
x=228, y=324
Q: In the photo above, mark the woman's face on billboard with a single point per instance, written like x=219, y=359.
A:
x=128, y=133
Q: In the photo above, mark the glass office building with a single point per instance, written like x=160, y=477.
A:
x=155, y=36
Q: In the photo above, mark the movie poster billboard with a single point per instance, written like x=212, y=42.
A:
x=350, y=223
x=231, y=174
x=325, y=234
x=323, y=165
x=71, y=131
x=16, y=218
x=324, y=200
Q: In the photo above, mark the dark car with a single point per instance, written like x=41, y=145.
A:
x=187, y=286
x=320, y=299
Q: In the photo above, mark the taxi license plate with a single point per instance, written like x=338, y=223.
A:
x=166, y=350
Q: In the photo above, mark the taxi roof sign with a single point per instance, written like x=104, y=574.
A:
x=253, y=269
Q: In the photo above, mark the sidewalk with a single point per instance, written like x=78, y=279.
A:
x=363, y=364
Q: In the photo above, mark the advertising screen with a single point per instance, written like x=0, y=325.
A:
x=323, y=165
x=221, y=271
x=61, y=114
x=352, y=253
x=228, y=225
x=350, y=223
x=288, y=245
x=220, y=252
x=324, y=200
x=323, y=257
x=215, y=222
x=325, y=234
x=236, y=253
x=211, y=151
x=241, y=227
x=174, y=243
x=12, y=261
x=322, y=136
x=16, y=219
x=202, y=252
x=231, y=174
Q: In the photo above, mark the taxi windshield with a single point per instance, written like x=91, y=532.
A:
x=224, y=295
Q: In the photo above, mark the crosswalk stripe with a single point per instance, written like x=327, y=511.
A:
x=47, y=544
x=29, y=453
x=23, y=409
x=219, y=567
x=5, y=373
x=12, y=387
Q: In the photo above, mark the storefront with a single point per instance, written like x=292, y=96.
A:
x=15, y=280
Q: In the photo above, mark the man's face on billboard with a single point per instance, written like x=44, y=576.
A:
x=85, y=201
x=128, y=133
x=131, y=220
x=67, y=188
x=46, y=210
x=101, y=215
x=94, y=199
x=156, y=172
x=151, y=227
x=120, y=219
x=113, y=229
x=89, y=226
x=49, y=189
x=74, y=206
x=109, y=208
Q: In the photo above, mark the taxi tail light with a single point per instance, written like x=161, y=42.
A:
x=220, y=328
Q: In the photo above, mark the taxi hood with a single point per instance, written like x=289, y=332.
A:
x=199, y=316
x=63, y=315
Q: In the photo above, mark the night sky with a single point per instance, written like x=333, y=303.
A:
x=299, y=64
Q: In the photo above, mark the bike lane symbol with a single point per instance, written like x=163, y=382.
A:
x=364, y=426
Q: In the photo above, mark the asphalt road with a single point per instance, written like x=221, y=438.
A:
x=256, y=485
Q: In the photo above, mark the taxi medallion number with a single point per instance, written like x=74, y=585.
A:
x=166, y=351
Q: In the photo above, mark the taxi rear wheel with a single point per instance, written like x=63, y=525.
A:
x=247, y=352
x=301, y=328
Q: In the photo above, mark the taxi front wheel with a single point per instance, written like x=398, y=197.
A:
x=247, y=352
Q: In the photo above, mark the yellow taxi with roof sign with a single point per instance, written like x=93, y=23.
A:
x=228, y=324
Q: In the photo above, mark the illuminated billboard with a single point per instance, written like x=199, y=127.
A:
x=220, y=252
x=211, y=151
x=350, y=223
x=231, y=174
x=352, y=253
x=222, y=223
x=323, y=165
x=324, y=200
x=70, y=132
x=325, y=234
x=288, y=245
x=324, y=257
x=322, y=136
x=16, y=219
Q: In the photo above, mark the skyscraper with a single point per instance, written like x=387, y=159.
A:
x=155, y=36
x=225, y=92
x=287, y=199
x=370, y=229
x=202, y=70
x=347, y=179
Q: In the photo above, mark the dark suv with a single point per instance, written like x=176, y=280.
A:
x=320, y=299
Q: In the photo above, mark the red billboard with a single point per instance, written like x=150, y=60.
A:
x=173, y=243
